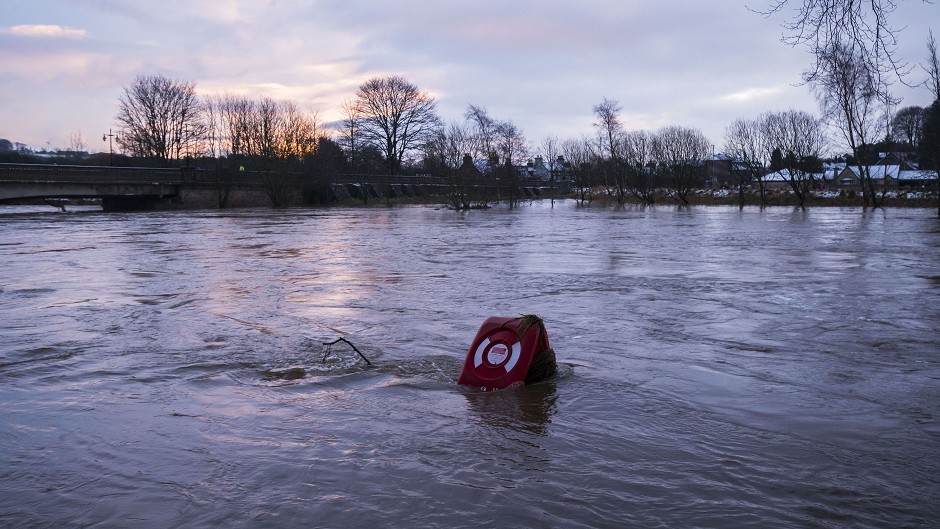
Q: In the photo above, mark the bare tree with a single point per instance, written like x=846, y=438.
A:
x=215, y=146
x=639, y=166
x=449, y=154
x=800, y=137
x=933, y=67
x=237, y=122
x=267, y=127
x=681, y=153
x=580, y=156
x=853, y=99
x=76, y=143
x=212, y=136
x=551, y=149
x=608, y=124
x=449, y=145
x=747, y=145
x=159, y=117
x=395, y=116
x=501, y=143
x=350, y=134
x=484, y=128
x=610, y=137
x=510, y=144
x=301, y=132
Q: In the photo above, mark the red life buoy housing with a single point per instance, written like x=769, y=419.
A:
x=502, y=352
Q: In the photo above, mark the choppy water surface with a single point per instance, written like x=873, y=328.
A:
x=720, y=368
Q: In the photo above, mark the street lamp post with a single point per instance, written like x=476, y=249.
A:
x=108, y=137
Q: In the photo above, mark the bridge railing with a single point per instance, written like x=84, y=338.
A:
x=35, y=173
x=85, y=173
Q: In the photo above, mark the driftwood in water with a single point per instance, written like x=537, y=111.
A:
x=330, y=344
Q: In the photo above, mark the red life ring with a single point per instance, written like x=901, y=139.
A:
x=498, y=356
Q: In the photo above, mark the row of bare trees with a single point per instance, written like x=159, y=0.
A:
x=795, y=138
x=639, y=164
x=493, y=147
x=163, y=119
x=276, y=138
x=271, y=132
x=479, y=135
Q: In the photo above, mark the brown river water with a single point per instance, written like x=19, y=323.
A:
x=717, y=368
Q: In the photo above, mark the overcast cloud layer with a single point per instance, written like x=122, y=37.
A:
x=543, y=65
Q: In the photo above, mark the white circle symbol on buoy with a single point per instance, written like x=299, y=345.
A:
x=496, y=355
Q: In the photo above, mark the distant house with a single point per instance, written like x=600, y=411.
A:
x=468, y=171
x=781, y=179
x=724, y=170
x=777, y=180
x=917, y=179
x=831, y=171
x=881, y=175
x=538, y=169
x=492, y=168
x=889, y=171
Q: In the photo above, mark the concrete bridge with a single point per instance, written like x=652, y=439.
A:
x=157, y=188
x=114, y=185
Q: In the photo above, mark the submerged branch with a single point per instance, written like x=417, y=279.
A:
x=334, y=342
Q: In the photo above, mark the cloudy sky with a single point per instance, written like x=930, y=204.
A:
x=540, y=63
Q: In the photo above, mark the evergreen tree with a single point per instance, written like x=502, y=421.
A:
x=776, y=160
x=929, y=147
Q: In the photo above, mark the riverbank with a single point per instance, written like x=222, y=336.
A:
x=716, y=197
x=728, y=197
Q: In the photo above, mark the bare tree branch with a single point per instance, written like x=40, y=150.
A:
x=863, y=26
x=344, y=340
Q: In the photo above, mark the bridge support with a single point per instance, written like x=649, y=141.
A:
x=135, y=203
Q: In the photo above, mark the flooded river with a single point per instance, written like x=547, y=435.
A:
x=718, y=368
